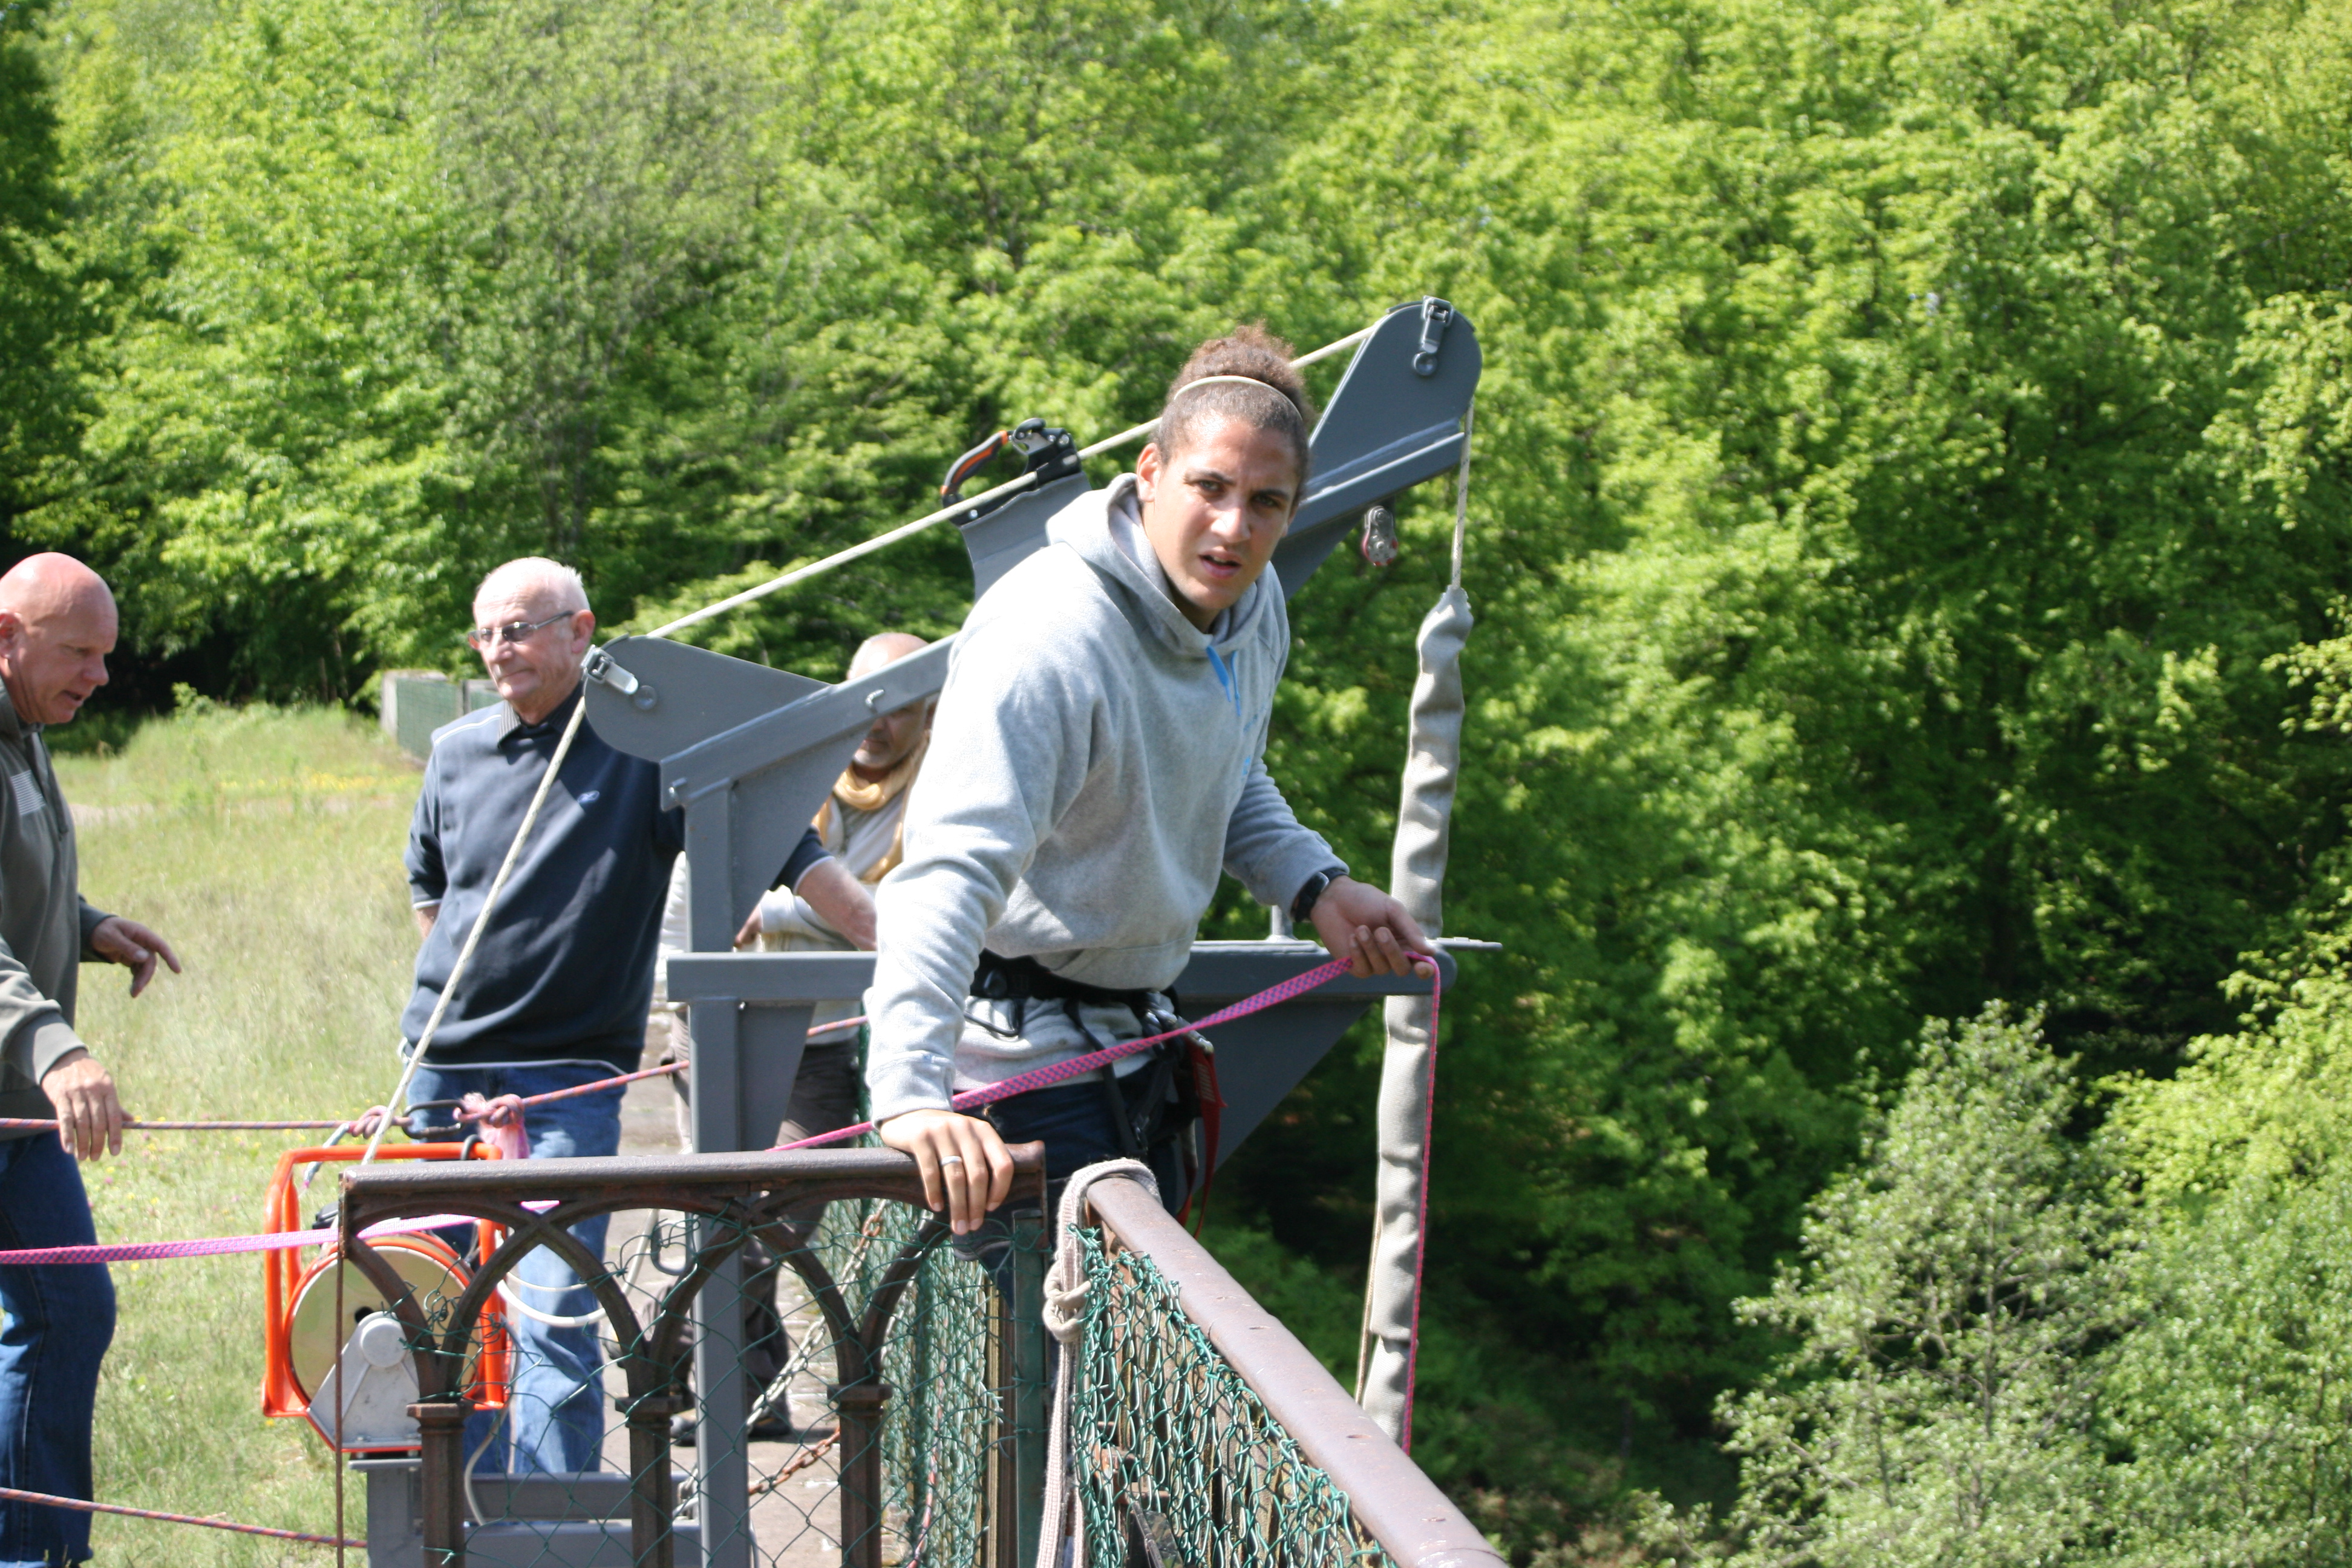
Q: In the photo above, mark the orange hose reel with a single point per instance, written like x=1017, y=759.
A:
x=300, y=1337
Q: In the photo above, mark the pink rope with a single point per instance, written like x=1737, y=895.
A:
x=599, y=1084
x=79, y=1505
x=46, y=1124
x=49, y=1124
x=1061, y=1072
x=1273, y=995
x=224, y=1246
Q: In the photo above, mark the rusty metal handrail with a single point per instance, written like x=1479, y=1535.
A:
x=1390, y=1498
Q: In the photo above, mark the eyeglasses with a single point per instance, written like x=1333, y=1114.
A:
x=513, y=631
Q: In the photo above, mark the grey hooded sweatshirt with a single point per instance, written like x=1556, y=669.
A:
x=1096, y=760
x=45, y=924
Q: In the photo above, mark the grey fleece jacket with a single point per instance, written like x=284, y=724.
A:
x=1095, y=762
x=45, y=924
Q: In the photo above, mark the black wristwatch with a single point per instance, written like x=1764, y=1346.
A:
x=1303, y=906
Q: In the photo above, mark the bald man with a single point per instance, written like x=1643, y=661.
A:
x=57, y=626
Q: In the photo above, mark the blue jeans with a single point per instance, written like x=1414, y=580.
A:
x=555, y=1414
x=60, y=1320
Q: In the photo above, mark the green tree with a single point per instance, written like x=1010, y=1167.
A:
x=41, y=314
x=2233, y=1397
x=1877, y=601
x=1938, y=1408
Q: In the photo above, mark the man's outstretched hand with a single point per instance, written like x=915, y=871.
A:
x=132, y=945
x=965, y=1168
x=1369, y=928
x=89, y=1114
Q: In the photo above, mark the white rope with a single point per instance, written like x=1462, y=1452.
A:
x=908, y=530
x=844, y=557
x=474, y=937
x=517, y=1304
x=1066, y=1319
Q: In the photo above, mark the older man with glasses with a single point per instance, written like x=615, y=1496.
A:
x=556, y=992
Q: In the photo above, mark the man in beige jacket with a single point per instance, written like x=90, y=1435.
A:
x=57, y=626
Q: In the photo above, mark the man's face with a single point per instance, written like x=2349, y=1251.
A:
x=538, y=670
x=1216, y=510
x=56, y=659
x=893, y=738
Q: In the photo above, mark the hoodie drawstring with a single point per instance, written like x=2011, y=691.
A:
x=1233, y=695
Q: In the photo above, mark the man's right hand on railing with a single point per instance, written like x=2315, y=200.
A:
x=965, y=1168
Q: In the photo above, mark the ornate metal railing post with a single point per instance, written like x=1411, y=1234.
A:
x=860, y=1407
x=1020, y=1376
x=440, y=1426
x=653, y=1494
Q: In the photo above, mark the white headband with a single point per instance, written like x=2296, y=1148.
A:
x=1246, y=380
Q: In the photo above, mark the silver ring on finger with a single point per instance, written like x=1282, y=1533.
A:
x=951, y=1160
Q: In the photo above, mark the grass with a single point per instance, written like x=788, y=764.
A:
x=264, y=845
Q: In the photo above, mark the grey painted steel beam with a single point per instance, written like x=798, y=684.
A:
x=1395, y=419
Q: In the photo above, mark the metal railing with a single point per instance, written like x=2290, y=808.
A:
x=915, y=1379
x=878, y=1296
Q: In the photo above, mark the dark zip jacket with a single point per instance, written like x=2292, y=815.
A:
x=45, y=924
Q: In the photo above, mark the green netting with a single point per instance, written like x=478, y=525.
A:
x=942, y=1418
x=1174, y=1459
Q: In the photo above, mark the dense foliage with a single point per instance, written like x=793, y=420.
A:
x=1911, y=484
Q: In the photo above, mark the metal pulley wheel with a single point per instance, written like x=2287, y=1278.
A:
x=424, y=1263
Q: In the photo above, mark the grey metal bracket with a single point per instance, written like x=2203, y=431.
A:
x=1394, y=420
x=749, y=754
x=1014, y=531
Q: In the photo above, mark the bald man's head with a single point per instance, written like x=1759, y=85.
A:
x=535, y=577
x=881, y=648
x=894, y=734
x=58, y=624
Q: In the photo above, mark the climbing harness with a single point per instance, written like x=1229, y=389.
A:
x=1076, y=1067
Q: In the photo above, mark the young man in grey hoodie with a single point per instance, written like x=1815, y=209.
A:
x=1099, y=751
